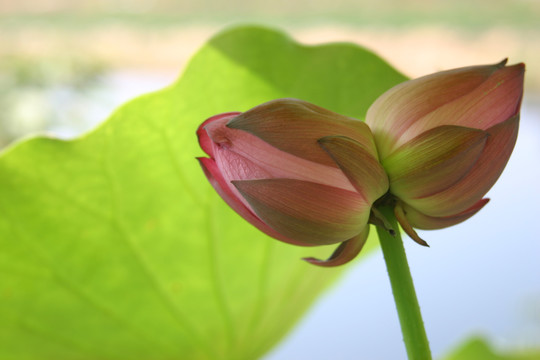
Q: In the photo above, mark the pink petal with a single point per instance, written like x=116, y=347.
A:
x=433, y=161
x=492, y=102
x=224, y=190
x=394, y=112
x=294, y=126
x=423, y=221
x=473, y=186
x=345, y=252
x=307, y=212
x=361, y=168
x=204, y=140
x=243, y=156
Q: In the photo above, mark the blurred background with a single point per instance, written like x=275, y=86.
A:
x=65, y=65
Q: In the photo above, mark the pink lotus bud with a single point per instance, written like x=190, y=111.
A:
x=445, y=138
x=299, y=173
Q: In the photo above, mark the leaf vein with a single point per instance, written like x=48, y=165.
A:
x=129, y=240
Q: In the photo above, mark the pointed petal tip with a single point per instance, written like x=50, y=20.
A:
x=409, y=230
x=502, y=63
x=423, y=243
x=344, y=253
x=315, y=261
x=417, y=239
x=324, y=263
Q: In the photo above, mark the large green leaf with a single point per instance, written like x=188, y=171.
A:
x=113, y=246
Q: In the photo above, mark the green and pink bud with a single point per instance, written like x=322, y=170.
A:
x=299, y=173
x=431, y=148
x=444, y=139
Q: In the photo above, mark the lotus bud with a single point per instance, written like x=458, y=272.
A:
x=444, y=139
x=299, y=173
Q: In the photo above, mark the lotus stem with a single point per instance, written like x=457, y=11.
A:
x=410, y=318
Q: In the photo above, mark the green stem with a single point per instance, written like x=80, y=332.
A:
x=410, y=318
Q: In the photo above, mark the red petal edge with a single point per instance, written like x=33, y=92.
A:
x=204, y=140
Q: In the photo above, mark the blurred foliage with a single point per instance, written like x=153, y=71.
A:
x=76, y=73
x=479, y=349
x=464, y=13
x=33, y=90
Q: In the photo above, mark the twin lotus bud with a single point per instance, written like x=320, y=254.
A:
x=430, y=147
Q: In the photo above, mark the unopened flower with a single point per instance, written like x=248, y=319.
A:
x=299, y=173
x=444, y=139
